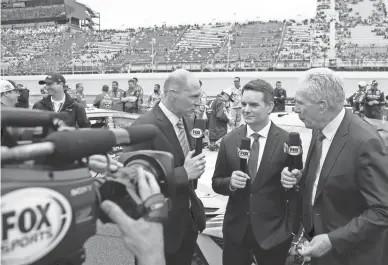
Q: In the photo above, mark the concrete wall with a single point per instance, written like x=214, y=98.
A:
x=213, y=82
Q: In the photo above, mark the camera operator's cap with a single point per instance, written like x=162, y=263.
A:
x=362, y=84
x=6, y=86
x=374, y=83
x=53, y=78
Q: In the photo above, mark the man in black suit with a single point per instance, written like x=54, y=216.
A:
x=256, y=218
x=182, y=94
x=344, y=183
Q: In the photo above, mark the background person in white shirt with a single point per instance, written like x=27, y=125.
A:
x=344, y=185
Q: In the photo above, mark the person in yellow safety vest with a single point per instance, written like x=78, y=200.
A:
x=374, y=102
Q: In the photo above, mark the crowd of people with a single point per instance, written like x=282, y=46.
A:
x=250, y=45
x=250, y=105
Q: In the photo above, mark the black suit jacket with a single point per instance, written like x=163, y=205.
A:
x=263, y=201
x=176, y=226
x=351, y=203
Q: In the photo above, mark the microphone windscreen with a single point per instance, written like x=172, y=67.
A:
x=245, y=148
x=142, y=133
x=74, y=145
x=200, y=124
x=245, y=144
x=294, y=139
x=19, y=117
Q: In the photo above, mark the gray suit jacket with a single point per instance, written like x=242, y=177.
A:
x=351, y=203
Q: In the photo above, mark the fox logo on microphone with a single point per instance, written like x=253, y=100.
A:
x=292, y=150
x=34, y=222
x=196, y=133
x=243, y=154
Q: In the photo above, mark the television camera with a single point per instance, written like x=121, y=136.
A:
x=50, y=202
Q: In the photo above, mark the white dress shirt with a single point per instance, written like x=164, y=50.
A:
x=329, y=132
x=58, y=104
x=262, y=140
x=172, y=118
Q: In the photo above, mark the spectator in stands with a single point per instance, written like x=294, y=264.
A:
x=155, y=97
x=59, y=101
x=103, y=100
x=235, y=105
x=219, y=118
x=132, y=98
x=9, y=93
x=140, y=88
x=79, y=91
x=280, y=96
x=117, y=94
x=24, y=97
x=375, y=102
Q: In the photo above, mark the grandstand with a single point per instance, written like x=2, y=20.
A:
x=39, y=36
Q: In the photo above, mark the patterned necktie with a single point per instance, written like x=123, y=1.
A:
x=311, y=176
x=254, y=157
x=182, y=137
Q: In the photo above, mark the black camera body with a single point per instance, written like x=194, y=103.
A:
x=46, y=213
x=50, y=207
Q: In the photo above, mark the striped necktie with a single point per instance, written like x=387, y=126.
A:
x=311, y=176
x=183, y=138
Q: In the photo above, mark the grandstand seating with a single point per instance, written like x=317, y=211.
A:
x=36, y=47
x=253, y=42
x=362, y=33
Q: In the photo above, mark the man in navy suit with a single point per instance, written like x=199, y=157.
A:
x=257, y=220
x=182, y=94
x=344, y=184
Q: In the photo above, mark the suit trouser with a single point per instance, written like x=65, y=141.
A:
x=185, y=252
x=242, y=254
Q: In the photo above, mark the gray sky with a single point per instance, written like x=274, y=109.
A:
x=126, y=13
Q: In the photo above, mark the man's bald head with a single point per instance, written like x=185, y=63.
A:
x=179, y=80
x=182, y=92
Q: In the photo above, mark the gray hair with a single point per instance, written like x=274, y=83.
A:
x=324, y=84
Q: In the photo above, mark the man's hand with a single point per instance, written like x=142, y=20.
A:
x=238, y=180
x=194, y=166
x=99, y=164
x=317, y=247
x=289, y=179
x=143, y=238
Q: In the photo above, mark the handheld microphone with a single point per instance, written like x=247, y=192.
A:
x=244, y=153
x=294, y=151
x=198, y=134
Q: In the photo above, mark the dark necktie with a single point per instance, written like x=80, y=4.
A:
x=311, y=176
x=254, y=157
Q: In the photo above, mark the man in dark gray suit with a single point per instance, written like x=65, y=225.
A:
x=256, y=219
x=182, y=94
x=344, y=183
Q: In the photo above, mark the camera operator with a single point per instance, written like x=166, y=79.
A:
x=143, y=238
